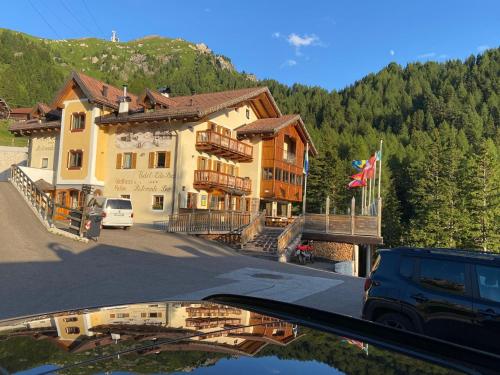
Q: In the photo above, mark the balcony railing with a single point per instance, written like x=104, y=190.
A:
x=223, y=145
x=205, y=179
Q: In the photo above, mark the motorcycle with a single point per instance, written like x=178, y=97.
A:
x=304, y=252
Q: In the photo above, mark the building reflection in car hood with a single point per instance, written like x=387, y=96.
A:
x=200, y=337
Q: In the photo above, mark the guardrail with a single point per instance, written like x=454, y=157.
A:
x=292, y=231
x=52, y=213
x=205, y=222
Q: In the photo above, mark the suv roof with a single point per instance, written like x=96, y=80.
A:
x=452, y=253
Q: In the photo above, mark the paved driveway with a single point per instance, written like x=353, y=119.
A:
x=41, y=272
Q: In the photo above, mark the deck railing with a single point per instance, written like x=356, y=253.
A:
x=211, y=139
x=52, y=213
x=352, y=225
x=207, y=178
x=291, y=232
x=253, y=228
x=206, y=222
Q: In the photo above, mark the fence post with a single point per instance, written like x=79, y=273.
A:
x=379, y=217
x=231, y=227
x=189, y=224
x=327, y=214
x=209, y=221
x=353, y=211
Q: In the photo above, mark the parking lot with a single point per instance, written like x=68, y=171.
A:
x=41, y=272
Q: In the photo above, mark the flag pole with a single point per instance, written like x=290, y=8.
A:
x=306, y=157
x=380, y=168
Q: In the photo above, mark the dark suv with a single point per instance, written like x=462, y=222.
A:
x=446, y=293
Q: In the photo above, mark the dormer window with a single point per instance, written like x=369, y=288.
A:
x=248, y=114
x=77, y=122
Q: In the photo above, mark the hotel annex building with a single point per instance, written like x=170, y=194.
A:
x=231, y=150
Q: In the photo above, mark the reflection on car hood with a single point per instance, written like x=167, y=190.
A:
x=198, y=337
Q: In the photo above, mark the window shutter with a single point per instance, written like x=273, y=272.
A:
x=118, y=161
x=134, y=160
x=236, y=171
x=199, y=163
x=209, y=167
x=167, y=159
x=151, y=162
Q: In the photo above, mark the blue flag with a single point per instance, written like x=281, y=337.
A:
x=306, y=163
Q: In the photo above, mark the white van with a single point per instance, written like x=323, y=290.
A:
x=116, y=212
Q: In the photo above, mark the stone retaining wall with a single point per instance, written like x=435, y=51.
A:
x=9, y=156
x=333, y=250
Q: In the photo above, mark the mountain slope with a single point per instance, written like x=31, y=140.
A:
x=440, y=124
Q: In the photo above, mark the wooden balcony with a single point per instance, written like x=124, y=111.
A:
x=208, y=180
x=218, y=144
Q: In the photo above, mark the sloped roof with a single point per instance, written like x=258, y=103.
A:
x=23, y=110
x=34, y=124
x=272, y=126
x=198, y=105
x=94, y=90
x=44, y=185
x=157, y=97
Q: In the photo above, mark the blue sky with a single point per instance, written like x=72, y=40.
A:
x=324, y=43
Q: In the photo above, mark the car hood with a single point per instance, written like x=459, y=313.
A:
x=219, y=336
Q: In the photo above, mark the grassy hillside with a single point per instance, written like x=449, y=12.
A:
x=7, y=139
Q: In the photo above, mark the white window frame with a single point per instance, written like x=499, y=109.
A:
x=46, y=165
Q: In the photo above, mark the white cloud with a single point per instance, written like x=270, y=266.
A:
x=442, y=56
x=391, y=52
x=302, y=41
x=289, y=63
x=427, y=55
x=276, y=34
x=483, y=48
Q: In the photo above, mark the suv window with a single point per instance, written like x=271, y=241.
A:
x=488, y=280
x=442, y=275
x=406, y=266
x=119, y=204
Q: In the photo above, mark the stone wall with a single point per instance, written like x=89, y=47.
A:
x=9, y=156
x=333, y=250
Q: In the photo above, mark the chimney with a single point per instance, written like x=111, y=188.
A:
x=105, y=91
x=124, y=100
x=165, y=91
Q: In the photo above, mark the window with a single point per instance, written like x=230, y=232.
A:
x=144, y=315
x=155, y=315
x=248, y=113
x=159, y=159
x=285, y=176
x=45, y=162
x=443, y=275
x=158, y=201
x=127, y=160
x=72, y=330
x=293, y=178
x=278, y=175
x=299, y=180
x=406, y=267
x=119, y=204
x=77, y=122
x=70, y=319
x=112, y=316
x=267, y=173
x=122, y=315
x=75, y=159
x=488, y=280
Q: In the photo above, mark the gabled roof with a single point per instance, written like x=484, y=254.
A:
x=94, y=91
x=194, y=106
x=156, y=98
x=271, y=126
